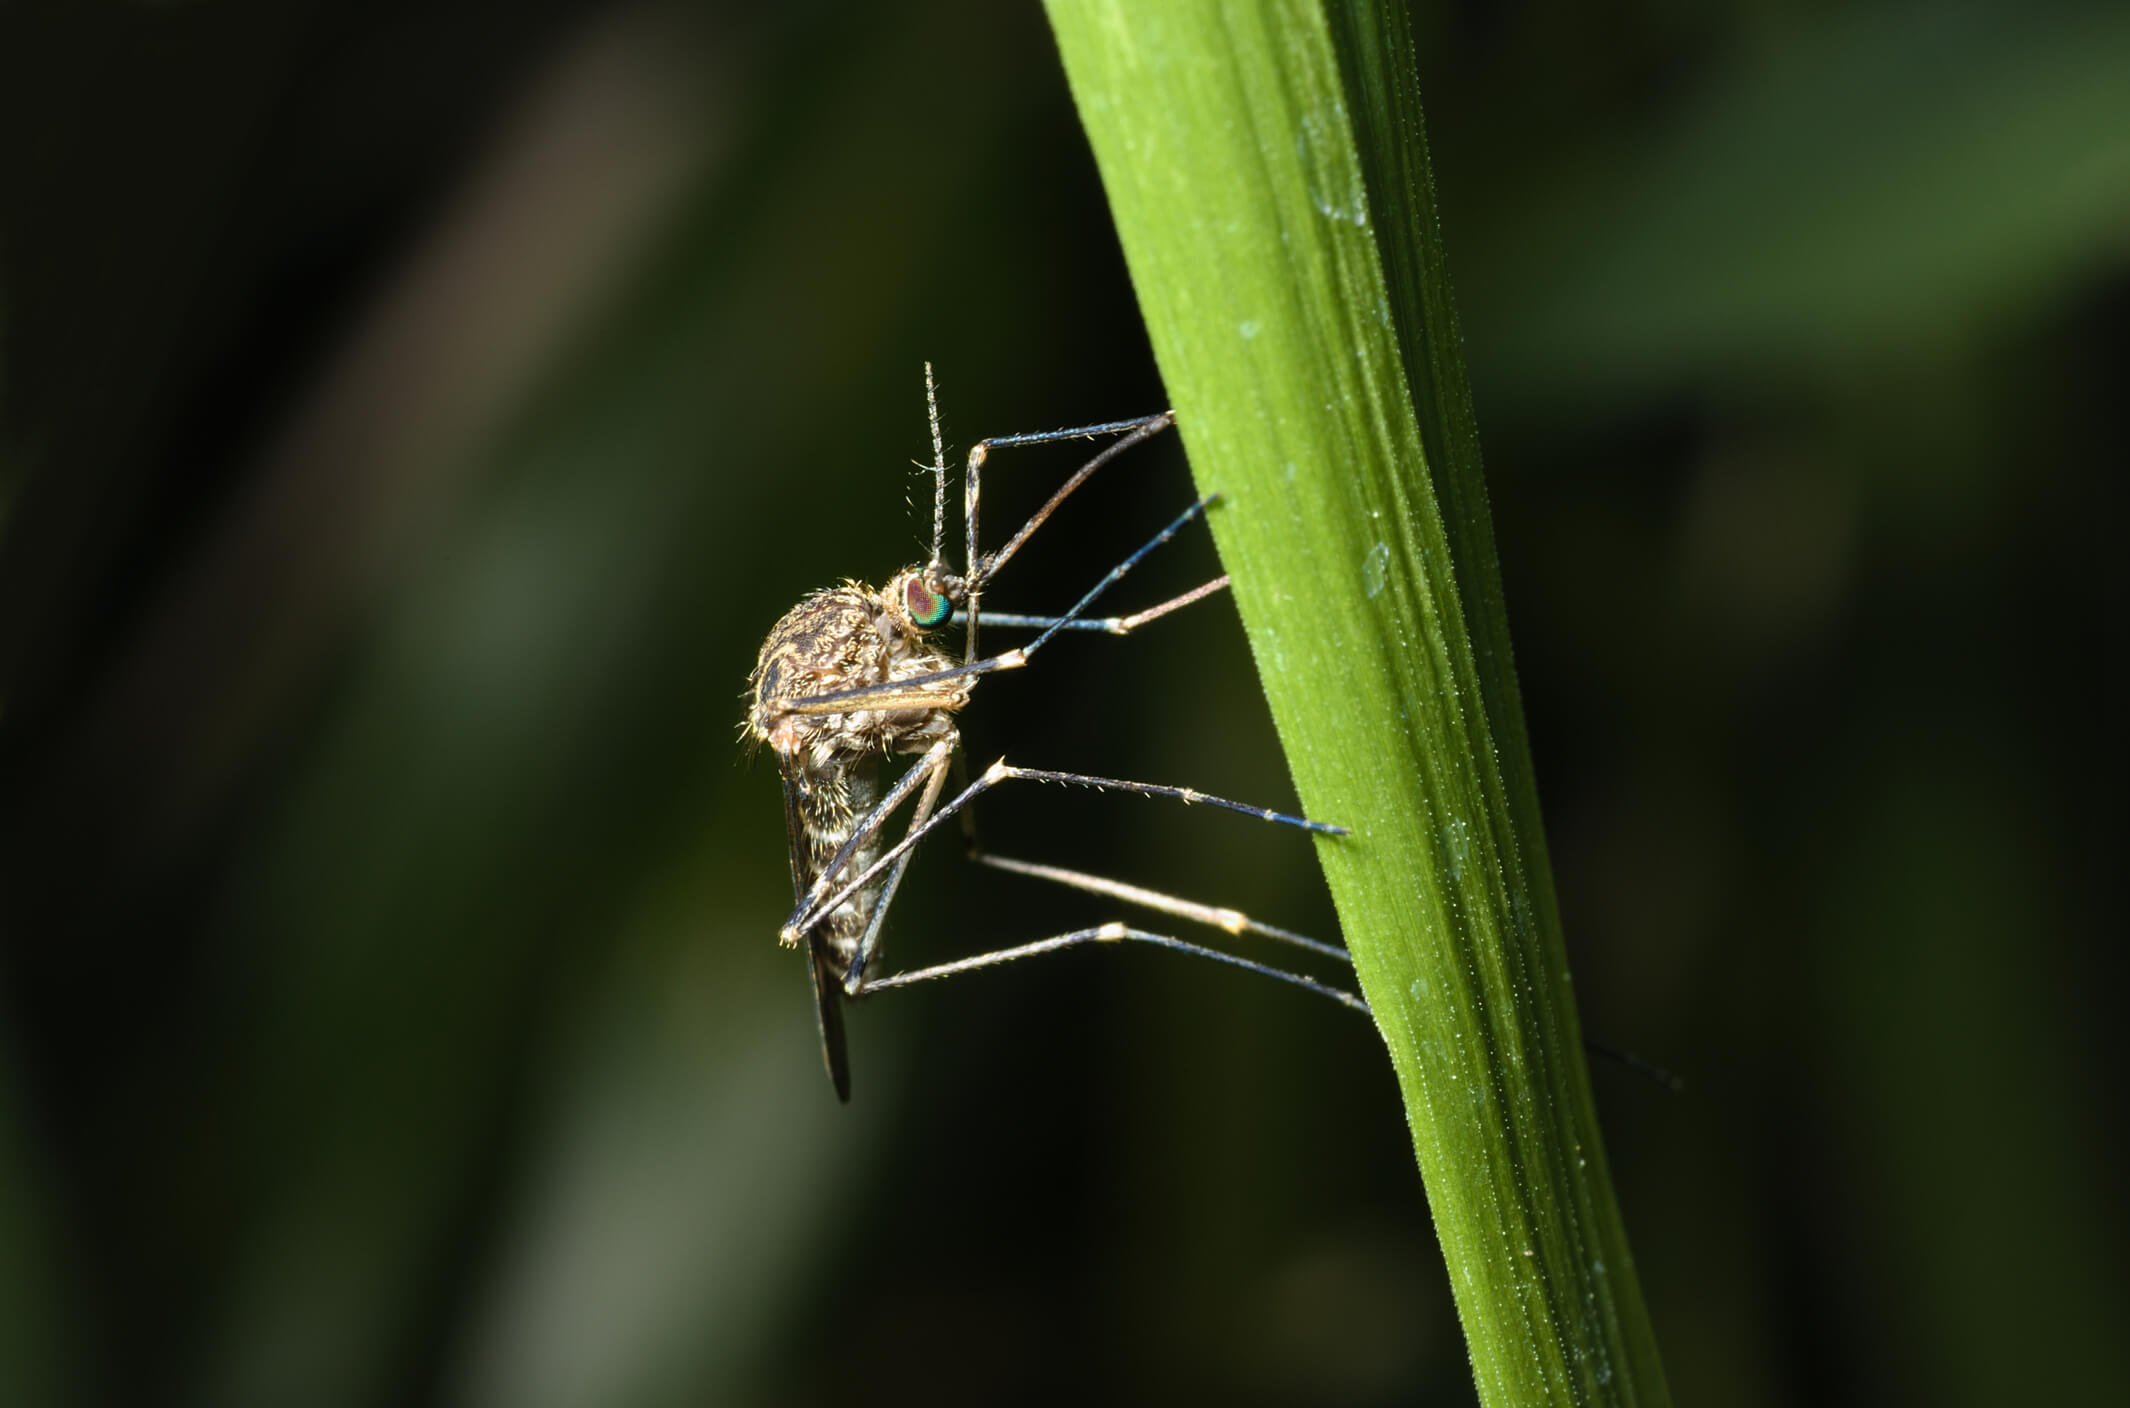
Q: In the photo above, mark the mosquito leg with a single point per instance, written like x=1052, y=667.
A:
x=1113, y=625
x=1109, y=933
x=1117, y=574
x=920, y=692
x=812, y=905
x=1189, y=796
x=1134, y=432
x=862, y=957
x=999, y=772
x=981, y=569
x=1232, y=921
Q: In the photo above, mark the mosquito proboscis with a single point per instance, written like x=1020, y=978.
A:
x=853, y=674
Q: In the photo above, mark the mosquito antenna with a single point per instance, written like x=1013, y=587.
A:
x=939, y=477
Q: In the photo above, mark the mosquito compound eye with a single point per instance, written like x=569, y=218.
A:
x=927, y=607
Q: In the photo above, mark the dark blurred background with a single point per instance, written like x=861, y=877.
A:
x=413, y=416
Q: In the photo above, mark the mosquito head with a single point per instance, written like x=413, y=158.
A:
x=923, y=597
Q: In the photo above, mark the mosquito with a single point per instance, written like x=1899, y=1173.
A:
x=852, y=675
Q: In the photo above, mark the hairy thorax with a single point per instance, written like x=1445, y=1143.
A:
x=847, y=637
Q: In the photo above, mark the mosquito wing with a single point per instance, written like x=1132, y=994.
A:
x=828, y=1014
x=828, y=991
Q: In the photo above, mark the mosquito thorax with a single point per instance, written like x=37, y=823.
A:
x=854, y=637
x=819, y=646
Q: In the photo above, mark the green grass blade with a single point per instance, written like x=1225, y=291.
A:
x=1277, y=215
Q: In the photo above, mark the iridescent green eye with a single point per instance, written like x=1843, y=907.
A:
x=927, y=607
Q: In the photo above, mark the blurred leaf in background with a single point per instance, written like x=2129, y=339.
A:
x=412, y=418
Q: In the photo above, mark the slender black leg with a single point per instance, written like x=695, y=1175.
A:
x=998, y=772
x=861, y=959
x=812, y=905
x=980, y=569
x=920, y=692
x=1112, y=625
x=1110, y=933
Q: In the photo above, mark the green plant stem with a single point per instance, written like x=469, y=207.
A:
x=1277, y=215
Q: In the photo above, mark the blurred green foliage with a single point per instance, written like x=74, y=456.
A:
x=412, y=417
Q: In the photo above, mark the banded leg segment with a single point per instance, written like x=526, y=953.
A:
x=1111, y=933
x=998, y=772
x=1232, y=921
x=1112, y=625
x=982, y=569
x=935, y=765
x=920, y=692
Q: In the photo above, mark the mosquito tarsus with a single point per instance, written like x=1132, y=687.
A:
x=852, y=674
